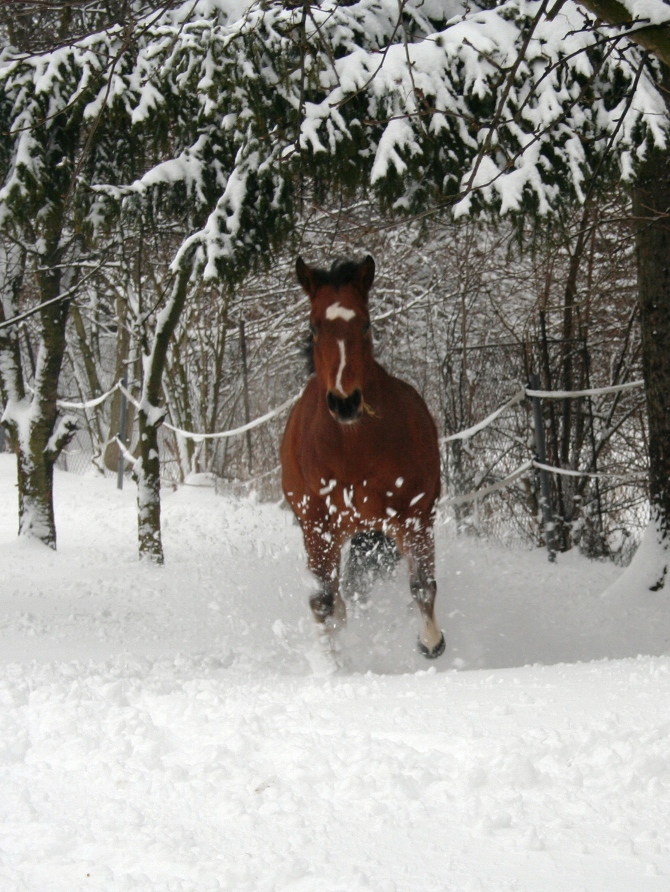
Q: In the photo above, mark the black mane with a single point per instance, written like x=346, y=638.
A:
x=307, y=350
x=342, y=272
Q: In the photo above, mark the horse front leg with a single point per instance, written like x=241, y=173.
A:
x=419, y=547
x=323, y=559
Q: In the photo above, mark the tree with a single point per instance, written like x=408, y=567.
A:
x=68, y=103
x=54, y=143
x=651, y=215
x=516, y=108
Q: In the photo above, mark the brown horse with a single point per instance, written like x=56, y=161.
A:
x=360, y=450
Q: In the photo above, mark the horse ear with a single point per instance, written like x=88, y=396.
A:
x=366, y=274
x=305, y=277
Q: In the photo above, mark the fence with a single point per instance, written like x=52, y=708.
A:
x=503, y=475
x=601, y=433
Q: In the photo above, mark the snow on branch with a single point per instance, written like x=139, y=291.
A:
x=429, y=106
x=420, y=115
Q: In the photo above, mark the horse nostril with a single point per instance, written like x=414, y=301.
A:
x=345, y=408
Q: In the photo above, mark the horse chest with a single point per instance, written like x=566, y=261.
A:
x=355, y=463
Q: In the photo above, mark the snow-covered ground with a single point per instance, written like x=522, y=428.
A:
x=173, y=729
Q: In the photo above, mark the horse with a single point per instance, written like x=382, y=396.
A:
x=360, y=451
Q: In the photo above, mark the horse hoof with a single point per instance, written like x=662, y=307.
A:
x=436, y=652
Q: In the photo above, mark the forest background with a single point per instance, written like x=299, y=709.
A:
x=505, y=163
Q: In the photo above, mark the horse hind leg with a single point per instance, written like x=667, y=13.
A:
x=372, y=556
x=421, y=555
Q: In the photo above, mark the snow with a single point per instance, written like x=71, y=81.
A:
x=655, y=12
x=164, y=729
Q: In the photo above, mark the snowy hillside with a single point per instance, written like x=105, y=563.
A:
x=173, y=729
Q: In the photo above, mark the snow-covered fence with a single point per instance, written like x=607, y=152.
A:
x=80, y=457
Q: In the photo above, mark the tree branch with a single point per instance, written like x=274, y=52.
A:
x=655, y=38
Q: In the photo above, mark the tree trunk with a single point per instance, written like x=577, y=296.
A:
x=123, y=366
x=38, y=436
x=651, y=208
x=149, y=491
x=36, y=509
x=150, y=418
x=46, y=435
x=12, y=390
x=36, y=433
x=571, y=411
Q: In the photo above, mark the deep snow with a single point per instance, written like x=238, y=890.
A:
x=172, y=729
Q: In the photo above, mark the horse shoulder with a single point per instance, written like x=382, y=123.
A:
x=410, y=434
x=301, y=436
x=408, y=403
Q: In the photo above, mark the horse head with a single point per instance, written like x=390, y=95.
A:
x=340, y=331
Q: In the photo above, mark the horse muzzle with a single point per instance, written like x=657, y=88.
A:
x=346, y=409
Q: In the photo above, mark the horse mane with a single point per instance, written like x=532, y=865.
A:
x=307, y=350
x=341, y=273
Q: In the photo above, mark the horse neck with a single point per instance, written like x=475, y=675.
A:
x=377, y=381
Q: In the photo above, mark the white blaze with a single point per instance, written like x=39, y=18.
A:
x=343, y=362
x=337, y=311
